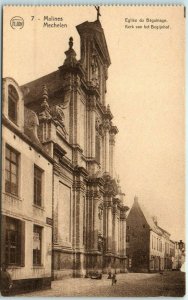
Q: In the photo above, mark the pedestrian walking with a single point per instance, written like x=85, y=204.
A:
x=6, y=281
x=114, y=280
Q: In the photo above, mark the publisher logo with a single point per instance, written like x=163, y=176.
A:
x=17, y=22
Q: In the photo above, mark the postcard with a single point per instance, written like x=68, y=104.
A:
x=93, y=151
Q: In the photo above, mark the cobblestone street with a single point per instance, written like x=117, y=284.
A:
x=131, y=284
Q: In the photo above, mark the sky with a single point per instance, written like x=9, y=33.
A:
x=145, y=90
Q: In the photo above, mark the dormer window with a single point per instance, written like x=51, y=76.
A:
x=12, y=103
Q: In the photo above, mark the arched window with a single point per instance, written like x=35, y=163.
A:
x=12, y=103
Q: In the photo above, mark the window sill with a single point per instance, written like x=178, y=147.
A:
x=39, y=207
x=12, y=196
x=14, y=267
x=38, y=267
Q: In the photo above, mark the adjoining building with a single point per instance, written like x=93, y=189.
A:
x=76, y=130
x=26, y=207
x=149, y=247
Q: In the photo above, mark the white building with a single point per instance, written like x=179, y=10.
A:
x=26, y=231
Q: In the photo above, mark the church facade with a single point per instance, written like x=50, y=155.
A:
x=76, y=130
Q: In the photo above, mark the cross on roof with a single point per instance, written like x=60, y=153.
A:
x=98, y=12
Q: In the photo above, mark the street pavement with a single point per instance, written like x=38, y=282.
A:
x=171, y=283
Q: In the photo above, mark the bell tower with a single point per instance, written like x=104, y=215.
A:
x=95, y=57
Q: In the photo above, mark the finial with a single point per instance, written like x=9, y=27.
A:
x=70, y=42
x=98, y=12
x=44, y=92
x=44, y=97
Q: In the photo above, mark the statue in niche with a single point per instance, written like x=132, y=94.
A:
x=100, y=213
x=94, y=70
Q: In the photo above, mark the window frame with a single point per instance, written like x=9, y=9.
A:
x=14, y=100
x=18, y=247
x=8, y=170
x=37, y=254
x=38, y=181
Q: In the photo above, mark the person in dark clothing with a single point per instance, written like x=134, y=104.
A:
x=6, y=281
x=114, y=280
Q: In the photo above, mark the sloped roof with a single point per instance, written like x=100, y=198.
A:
x=34, y=88
x=153, y=226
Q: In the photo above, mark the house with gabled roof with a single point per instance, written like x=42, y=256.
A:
x=148, y=245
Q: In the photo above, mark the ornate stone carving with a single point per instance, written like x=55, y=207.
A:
x=70, y=54
x=45, y=109
x=58, y=115
x=94, y=70
x=97, y=124
x=100, y=212
x=106, y=124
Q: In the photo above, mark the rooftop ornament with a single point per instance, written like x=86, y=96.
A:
x=98, y=12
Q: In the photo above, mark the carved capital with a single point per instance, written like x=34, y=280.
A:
x=108, y=204
x=106, y=124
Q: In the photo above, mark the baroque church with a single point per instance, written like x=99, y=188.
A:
x=76, y=130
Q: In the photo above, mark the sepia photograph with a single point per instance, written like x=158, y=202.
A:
x=93, y=151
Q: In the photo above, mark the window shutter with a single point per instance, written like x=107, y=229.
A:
x=3, y=235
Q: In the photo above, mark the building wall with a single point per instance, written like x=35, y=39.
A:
x=138, y=240
x=157, y=251
x=20, y=215
x=23, y=209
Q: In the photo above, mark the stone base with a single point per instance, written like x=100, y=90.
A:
x=81, y=264
x=114, y=264
x=28, y=285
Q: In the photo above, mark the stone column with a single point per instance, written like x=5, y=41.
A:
x=89, y=219
x=111, y=167
x=92, y=117
x=113, y=132
x=115, y=230
x=106, y=145
x=109, y=224
x=123, y=230
x=96, y=202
